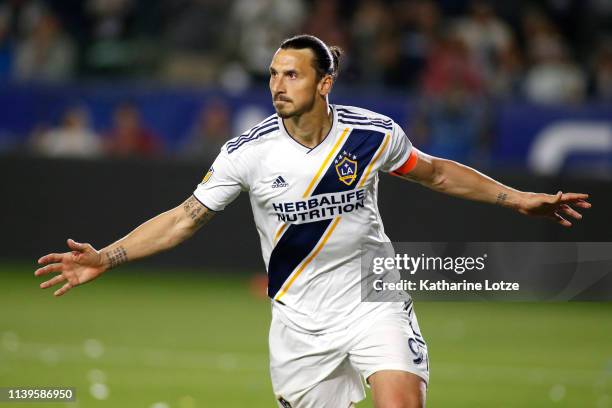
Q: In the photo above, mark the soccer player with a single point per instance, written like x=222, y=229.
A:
x=311, y=171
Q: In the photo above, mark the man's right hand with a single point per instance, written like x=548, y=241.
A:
x=81, y=265
x=84, y=263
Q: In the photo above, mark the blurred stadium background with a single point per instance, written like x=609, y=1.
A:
x=112, y=110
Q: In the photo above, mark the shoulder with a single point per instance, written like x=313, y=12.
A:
x=355, y=116
x=254, y=136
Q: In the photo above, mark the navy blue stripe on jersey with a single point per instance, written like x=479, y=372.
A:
x=262, y=132
x=254, y=129
x=364, y=119
x=249, y=132
x=364, y=123
x=355, y=118
x=363, y=144
x=245, y=135
x=382, y=122
x=294, y=246
x=356, y=115
x=300, y=239
x=349, y=113
x=252, y=133
x=361, y=117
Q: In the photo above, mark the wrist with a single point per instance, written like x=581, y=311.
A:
x=511, y=199
x=104, y=262
x=520, y=201
x=112, y=257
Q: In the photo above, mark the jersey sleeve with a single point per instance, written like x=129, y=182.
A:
x=401, y=156
x=222, y=183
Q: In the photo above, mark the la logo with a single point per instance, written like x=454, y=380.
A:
x=347, y=170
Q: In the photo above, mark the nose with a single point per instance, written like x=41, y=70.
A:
x=276, y=85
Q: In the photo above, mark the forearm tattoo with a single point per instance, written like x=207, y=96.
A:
x=116, y=256
x=501, y=198
x=197, y=212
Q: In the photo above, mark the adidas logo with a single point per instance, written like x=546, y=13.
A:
x=279, y=182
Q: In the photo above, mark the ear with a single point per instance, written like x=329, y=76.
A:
x=325, y=85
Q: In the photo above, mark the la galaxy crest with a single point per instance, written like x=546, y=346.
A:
x=346, y=167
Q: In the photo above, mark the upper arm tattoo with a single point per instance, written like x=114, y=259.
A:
x=197, y=211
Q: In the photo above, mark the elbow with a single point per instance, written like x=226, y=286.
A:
x=439, y=182
x=439, y=177
x=179, y=230
x=175, y=237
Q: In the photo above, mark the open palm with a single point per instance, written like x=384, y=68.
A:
x=558, y=207
x=77, y=267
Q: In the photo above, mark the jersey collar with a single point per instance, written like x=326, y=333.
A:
x=327, y=139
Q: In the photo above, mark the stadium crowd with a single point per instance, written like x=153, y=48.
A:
x=456, y=55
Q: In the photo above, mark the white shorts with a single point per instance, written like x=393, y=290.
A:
x=326, y=370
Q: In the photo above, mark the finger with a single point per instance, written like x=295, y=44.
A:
x=76, y=246
x=562, y=220
x=50, y=258
x=567, y=200
x=582, y=204
x=575, y=196
x=567, y=210
x=63, y=289
x=53, y=281
x=55, y=267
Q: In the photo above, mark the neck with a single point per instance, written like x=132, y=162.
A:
x=312, y=127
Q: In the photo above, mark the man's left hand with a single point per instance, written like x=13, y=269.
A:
x=559, y=207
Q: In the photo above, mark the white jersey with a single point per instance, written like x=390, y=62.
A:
x=314, y=208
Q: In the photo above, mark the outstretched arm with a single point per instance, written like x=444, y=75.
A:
x=449, y=177
x=84, y=263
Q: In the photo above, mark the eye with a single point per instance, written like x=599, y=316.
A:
x=292, y=75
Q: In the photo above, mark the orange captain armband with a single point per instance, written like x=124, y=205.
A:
x=408, y=165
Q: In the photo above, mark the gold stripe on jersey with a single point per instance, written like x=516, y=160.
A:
x=279, y=232
x=284, y=226
x=331, y=154
x=369, y=168
x=323, y=167
x=312, y=256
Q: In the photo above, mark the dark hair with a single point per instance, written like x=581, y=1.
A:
x=327, y=59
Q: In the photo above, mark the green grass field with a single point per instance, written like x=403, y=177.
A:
x=165, y=338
